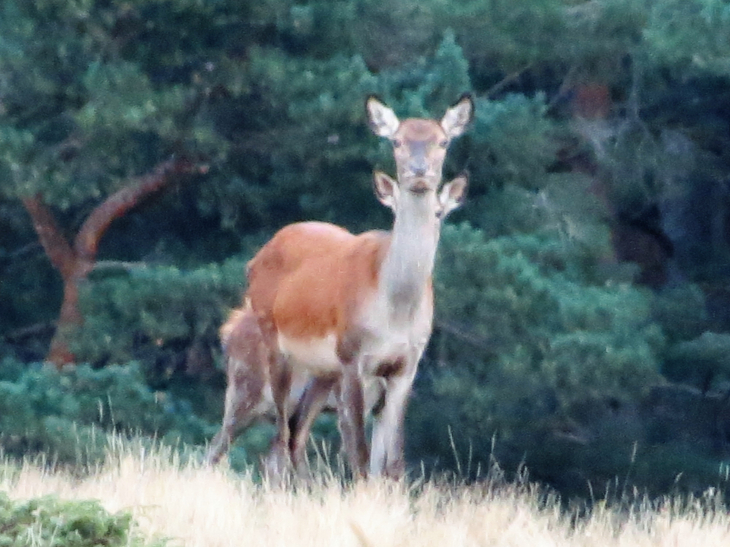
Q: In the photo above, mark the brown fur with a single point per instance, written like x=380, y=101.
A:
x=326, y=259
x=248, y=372
x=315, y=284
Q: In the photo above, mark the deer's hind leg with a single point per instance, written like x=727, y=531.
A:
x=244, y=395
x=278, y=461
x=248, y=362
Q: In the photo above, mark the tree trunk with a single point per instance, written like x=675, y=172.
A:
x=636, y=237
x=75, y=262
x=69, y=318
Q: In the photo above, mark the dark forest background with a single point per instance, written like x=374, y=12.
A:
x=148, y=147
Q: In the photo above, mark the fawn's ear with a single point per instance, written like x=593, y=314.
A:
x=385, y=188
x=381, y=118
x=458, y=117
x=452, y=195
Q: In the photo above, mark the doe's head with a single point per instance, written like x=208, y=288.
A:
x=419, y=144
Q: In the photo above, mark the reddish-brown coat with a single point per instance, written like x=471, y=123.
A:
x=338, y=269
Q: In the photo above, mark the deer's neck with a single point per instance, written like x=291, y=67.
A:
x=408, y=264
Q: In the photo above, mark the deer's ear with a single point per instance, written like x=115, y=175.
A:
x=385, y=189
x=458, y=117
x=382, y=119
x=453, y=194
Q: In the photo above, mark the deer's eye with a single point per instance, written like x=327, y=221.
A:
x=444, y=144
x=397, y=143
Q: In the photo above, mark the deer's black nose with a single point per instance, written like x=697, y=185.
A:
x=418, y=168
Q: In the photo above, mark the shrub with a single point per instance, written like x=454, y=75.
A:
x=69, y=414
x=137, y=313
x=541, y=359
x=51, y=522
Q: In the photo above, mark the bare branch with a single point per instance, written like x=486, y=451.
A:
x=465, y=335
x=38, y=329
x=103, y=265
x=504, y=82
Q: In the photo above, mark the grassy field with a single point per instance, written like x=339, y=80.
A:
x=195, y=506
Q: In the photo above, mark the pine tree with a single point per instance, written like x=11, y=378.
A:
x=599, y=141
x=83, y=128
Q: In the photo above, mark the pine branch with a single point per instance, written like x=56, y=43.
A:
x=118, y=204
x=105, y=265
x=50, y=235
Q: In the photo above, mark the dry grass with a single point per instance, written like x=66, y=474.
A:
x=196, y=506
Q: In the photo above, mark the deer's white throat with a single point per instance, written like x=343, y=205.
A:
x=408, y=264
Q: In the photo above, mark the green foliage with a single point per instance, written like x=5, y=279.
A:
x=309, y=138
x=51, y=522
x=29, y=292
x=68, y=415
x=700, y=361
x=694, y=355
x=543, y=340
x=694, y=33
x=429, y=85
x=129, y=313
x=545, y=361
x=515, y=141
x=495, y=30
x=76, y=119
x=681, y=312
x=308, y=153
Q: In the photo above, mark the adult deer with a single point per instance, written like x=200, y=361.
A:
x=355, y=311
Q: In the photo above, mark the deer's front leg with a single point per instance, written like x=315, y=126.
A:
x=387, y=452
x=351, y=419
x=309, y=407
